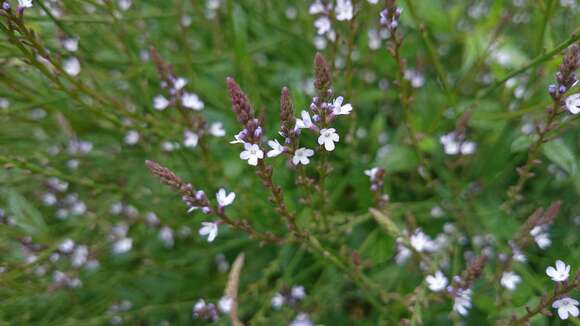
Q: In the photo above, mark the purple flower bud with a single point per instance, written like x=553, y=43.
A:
x=206, y=210
x=394, y=24
x=200, y=195
x=6, y=6
x=562, y=89
x=552, y=89
x=312, y=107
x=288, y=141
x=316, y=118
x=258, y=132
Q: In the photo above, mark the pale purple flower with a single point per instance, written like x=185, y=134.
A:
x=560, y=273
x=327, y=138
x=573, y=103
x=436, y=282
x=209, y=229
x=252, y=153
x=192, y=101
x=160, y=103
x=339, y=109
x=276, y=150
x=301, y=156
x=510, y=280
x=305, y=122
x=566, y=307
x=224, y=199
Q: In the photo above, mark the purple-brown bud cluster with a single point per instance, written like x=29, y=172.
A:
x=566, y=75
x=252, y=132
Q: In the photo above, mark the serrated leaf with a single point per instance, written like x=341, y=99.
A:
x=557, y=152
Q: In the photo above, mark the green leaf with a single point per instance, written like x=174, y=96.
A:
x=557, y=152
x=377, y=246
x=400, y=159
x=26, y=216
x=521, y=143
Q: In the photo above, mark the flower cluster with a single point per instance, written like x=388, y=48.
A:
x=290, y=296
x=454, y=144
x=325, y=12
x=566, y=75
x=390, y=16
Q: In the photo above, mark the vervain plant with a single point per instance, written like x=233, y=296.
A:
x=423, y=172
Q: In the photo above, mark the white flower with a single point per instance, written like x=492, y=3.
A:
x=541, y=237
x=25, y=3
x=210, y=229
x=372, y=173
x=298, y=292
x=224, y=199
x=122, y=246
x=566, y=307
x=71, y=44
x=179, y=83
x=437, y=282
x=225, y=304
x=373, y=2
x=252, y=153
x=468, y=147
x=72, y=66
x=403, y=253
x=328, y=137
x=316, y=8
x=344, y=10
x=560, y=273
x=339, y=109
x=217, y=129
x=510, y=280
x=453, y=146
x=322, y=25
x=301, y=156
x=277, y=148
x=67, y=246
x=437, y=211
x=132, y=137
x=301, y=320
x=462, y=302
x=237, y=139
x=277, y=301
x=190, y=139
x=160, y=103
x=420, y=241
x=305, y=122
x=192, y=101
x=573, y=103
x=124, y=4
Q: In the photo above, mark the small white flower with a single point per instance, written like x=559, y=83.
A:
x=225, y=304
x=122, y=246
x=179, y=83
x=25, y=3
x=209, y=229
x=316, y=8
x=190, y=139
x=344, y=10
x=132, y=137
x=322, y=25
x=437, y=211
x=160, y=103
x=301, y=319
x=468, y=147
x=124, y=4
x=403, y=254
x=339, y=109
x=67, y=246
x=573, y=103
x=301, y=156
x=328, y=137
x=560, y=273
x=237, y=139
x=217, y=129
x=166, y=236
x=252, y=153
x=70, y=44
x=566, y=307
x=298, y=292
x=420, y=241
x=276, y=150
x=72, y=66
x=224, y=199
x=373, y=2
x=305, y=122
x=541, y=237
x=462, y=302
x=192, y=101
x=436, y=282
x=510, y=280
x=277, y=301
x=372, y=173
